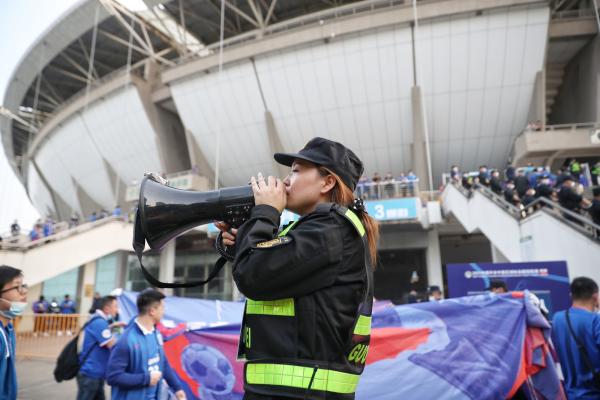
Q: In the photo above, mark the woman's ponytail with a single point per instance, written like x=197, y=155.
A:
x=342, y=194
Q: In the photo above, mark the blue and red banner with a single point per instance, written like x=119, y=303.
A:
x=479, y=347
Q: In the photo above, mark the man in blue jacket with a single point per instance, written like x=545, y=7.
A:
x=138, y=363
x=579, y=365
x=97, y=341
x=13, y=300
x=67, y=306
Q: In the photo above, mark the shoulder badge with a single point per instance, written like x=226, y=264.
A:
x=275, y=242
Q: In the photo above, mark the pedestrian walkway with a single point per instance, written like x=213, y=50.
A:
x=37, y=382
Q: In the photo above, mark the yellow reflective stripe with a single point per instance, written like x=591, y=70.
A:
x=283, y=307
x=286, y=230
x=299, y=377
x=363, y=326
x=356, y=222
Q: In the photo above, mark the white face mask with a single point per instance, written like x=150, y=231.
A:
x=16, y=309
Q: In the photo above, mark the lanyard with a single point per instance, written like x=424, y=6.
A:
x=5, y=341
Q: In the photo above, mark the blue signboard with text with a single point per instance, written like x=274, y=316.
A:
x=393, y=209
x=548, y=280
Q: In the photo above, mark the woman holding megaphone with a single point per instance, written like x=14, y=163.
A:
x=309, y=287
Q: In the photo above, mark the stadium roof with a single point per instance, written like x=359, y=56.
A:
x=56, y=70
x=128, y=32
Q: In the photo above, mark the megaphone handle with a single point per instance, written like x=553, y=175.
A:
x=139, y=243
x=236, y=215
x=223, y=250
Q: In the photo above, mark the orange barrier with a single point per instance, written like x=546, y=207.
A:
x=45, y=335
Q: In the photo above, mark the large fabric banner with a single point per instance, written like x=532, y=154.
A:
x=548, y=280
x=479, y=347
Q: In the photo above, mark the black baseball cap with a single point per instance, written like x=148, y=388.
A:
x=329, y=154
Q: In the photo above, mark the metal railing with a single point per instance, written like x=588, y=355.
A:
x=294, y=23
x=556, y=127
x=575, y=220
x=570, y=14
x=45, y=335
x=24, y=238
x=387, y=189
x=317, y=18
x=23, y=243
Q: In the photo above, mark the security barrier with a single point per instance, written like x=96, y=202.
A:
x=44, y=335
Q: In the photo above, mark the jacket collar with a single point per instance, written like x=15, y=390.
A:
x=143, y=329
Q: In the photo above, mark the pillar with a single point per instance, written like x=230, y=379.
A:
x=434, y=259
x=88, y=287
x=166, y=272
x=420, y=159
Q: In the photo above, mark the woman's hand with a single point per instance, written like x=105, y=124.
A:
x=228, y=233
x=271, y=192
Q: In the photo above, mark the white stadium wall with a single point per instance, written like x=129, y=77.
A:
x=39, y=193
x=355, y=90
x=112, y=131
x=477, y=75
x=228, y=104
x=476, y=72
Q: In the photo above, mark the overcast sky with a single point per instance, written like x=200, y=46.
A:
x=21, y=23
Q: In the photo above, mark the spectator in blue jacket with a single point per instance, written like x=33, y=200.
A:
x=579, y=363
x=67, y=306
x=40, y=306
x=13, y=300
x=97, y=341
x=138, y=364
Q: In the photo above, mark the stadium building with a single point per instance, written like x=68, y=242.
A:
x=114, y=89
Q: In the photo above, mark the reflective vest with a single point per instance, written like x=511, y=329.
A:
x=301, y=378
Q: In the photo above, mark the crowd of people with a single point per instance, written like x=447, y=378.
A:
x=41, y=228
x=129, y=357
x=523, y=186
x=66, y=306
x=44, y=228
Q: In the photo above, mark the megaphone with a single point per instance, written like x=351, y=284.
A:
x=166, y=212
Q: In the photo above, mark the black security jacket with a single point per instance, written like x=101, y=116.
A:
x=321, y=265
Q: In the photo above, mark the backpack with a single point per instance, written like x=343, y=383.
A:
x=67, y=364
x=584, y=355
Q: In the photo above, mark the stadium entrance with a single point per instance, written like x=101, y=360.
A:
x=397, y=272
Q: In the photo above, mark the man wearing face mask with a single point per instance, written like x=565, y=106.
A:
x=13, y=300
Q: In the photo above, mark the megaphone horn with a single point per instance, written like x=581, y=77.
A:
x=167, y=212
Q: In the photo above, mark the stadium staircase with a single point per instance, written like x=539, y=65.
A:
x=527, y=234
x=51, y=256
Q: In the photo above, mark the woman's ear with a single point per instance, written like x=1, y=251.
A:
x=328, y=184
